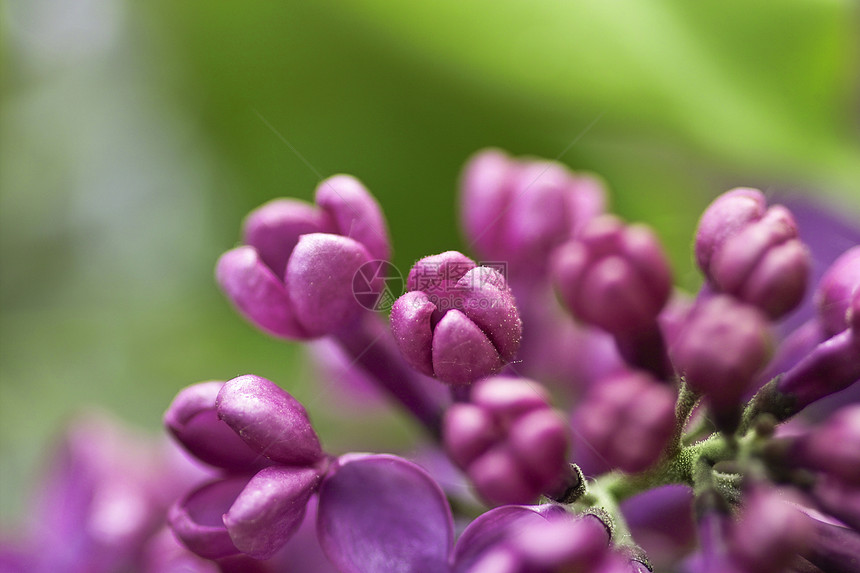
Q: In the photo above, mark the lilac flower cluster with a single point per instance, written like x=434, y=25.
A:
x=606, y=422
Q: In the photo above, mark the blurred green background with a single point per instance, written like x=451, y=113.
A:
x=135, y=137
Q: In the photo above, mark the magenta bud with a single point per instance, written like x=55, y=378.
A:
x=295, y=287
x=356, y=213
x=270, y=508
x=520, y=210
x=722, y=346
x=269, y=420
x=193, y=420
x=257, y=293
x=274, y=228
x=458, y=322
x=628, y=419
x=836, y=291
x=509, y=441
x=319, y=281
x=613, y=276
x=724, y=217
x=753, y=253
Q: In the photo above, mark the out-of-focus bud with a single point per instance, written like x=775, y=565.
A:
x=520, y=210
x=458, y=322
x=770, y=533
x=508, y=440
x=293, y=278
x=752, y=252
x=832, y=366
x=628, y=419
x=836, y=291
x=613, y=276
x=833, y=447
x=721, y=348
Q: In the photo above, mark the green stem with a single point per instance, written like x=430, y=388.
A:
x=687, y=400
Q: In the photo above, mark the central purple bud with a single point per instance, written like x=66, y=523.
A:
x=458, y=322
x=509, y=440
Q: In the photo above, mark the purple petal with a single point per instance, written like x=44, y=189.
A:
x=494, y=526
x=269, y=420
x=270, y=509
x=319, y=280
x=508, y=398
x=197, y=519
x=193, y=421
x=257, y=293
x=380, y=513
x=273, y=229
x=356, y=213
x=411, y=325
x=540, y=441
x=436, y=274
x=468, y=431
x=835, y=291
x=729, y=212
x=462, y=353
x=488, y=302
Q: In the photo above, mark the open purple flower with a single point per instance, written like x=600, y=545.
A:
x=293, y=278
x=458, y=322
x=250, y=510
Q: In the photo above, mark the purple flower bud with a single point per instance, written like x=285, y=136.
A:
x=753, y=253
x=833, y=447
x=355, y=213
x=834, y=548
x=519, y=211
x=269, y=509
x=269, y=420
x=565, y=545
x=193, y=420
x=197, y=518
x=837, y=289
x=508, y=440
x=494, y=528
x=628, y=419
x=770, y=533
x=721, y=348
x=832, y=366
x=255, y=516
x=458, y=322
x=613, y=276
x=293, y=278
x=724, y=217
x=839, y=498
